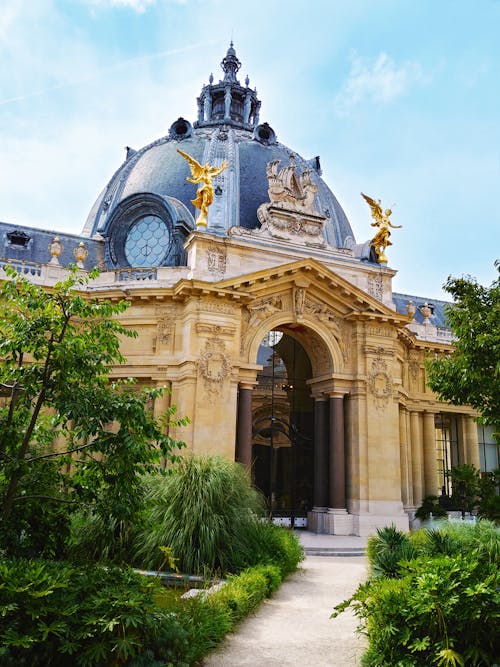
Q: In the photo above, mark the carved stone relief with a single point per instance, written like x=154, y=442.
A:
x=256, y=312
x=264, y=309
x=380, y=383
x=213, y=367
x=165, y=327
x=214, y=329
x=215, y=306
x=414, y=366
x=217, y=259
x=335, y=323
x=299, y=295
x=386, y=332
x=375, y=287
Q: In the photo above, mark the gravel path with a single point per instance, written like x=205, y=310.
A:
x=294, y=628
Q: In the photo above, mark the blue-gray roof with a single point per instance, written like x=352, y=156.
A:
x=438, y=317
x=29, y=244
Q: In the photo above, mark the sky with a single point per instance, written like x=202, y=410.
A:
x=399, y=98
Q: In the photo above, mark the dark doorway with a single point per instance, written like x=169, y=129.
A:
x=283, y=427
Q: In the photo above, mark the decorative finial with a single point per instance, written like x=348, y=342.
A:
x=411, y=309
x=247, y=81
x=230, y=65
x=55, y=249
x=202, y=174
x=211, y=79
x=381, y=239
x=81, y=253
x=426, y=311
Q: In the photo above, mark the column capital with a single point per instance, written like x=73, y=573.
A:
x=247, y=385
x=338, y=393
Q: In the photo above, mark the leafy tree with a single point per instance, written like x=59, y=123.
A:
x=68, y=436
x=471, y=374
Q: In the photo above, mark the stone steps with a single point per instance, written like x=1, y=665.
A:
x=335, y=551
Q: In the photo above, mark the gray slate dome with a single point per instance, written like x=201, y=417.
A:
x=152, y=180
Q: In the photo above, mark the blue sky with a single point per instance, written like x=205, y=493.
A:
x=400, y=98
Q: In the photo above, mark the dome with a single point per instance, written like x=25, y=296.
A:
x=152, y=180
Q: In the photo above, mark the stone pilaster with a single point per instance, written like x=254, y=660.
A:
x=243, y=450
x=416, y=455
x=431, y=487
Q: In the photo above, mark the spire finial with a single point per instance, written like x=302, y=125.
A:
x=230, y=65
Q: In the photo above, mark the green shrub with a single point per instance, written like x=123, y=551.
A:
x=210, y=618
x=269, y=544
x=440, y=607
x=430, y=505
x=95, y=538
x=202, y=511
x=387, y=550
x=56, y=614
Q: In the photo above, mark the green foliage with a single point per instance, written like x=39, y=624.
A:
x=489, y=499
x=59, y=614
x=56, y=351
x=465, y=481
x=202, y=512
x=55, y=614
x=269, y=544
x=430, y=504
x=210, y=618
x=442, y=607
x=387, y=550
x=471, y=374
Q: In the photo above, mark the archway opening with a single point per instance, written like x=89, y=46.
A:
x=283, y=428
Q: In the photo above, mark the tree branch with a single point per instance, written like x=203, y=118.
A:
x=47, y=456
x=57, y=500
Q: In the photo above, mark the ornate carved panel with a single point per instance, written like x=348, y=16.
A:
x=380, y=383
x=335, y=323
x=214, y=367
x=217, y=259
x=375, y=287
x=215, y=306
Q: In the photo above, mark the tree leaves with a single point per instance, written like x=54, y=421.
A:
x=57, y=348
x=471, y=374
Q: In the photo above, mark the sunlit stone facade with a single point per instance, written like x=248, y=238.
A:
x=276, y=333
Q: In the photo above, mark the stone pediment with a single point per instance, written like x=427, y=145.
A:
x=317, y=291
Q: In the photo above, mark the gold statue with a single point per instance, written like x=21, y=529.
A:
x=205, y=194
x=381, y=239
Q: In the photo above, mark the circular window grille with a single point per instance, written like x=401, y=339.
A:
x=147, y=242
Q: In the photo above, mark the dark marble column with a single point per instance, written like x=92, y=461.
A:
x=337, y=453
x=243, y=453
x=320, y=454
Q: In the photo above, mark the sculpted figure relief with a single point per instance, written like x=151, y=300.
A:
x=289, y=190
x=202, y=174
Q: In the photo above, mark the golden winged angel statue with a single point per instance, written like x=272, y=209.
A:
x=381, y=239
x=202, y=174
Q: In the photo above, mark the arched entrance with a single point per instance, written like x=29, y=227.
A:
x=283, y=428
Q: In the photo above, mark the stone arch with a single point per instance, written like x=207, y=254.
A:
x=322, y=346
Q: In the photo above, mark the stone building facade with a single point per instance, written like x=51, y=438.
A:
x=276, y=333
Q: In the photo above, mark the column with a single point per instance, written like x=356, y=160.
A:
x=416, y=456
x=403, y=457
x=430, y=456
x=243, y=450
x=472, y=443
x=337, y=454
x=320, y=499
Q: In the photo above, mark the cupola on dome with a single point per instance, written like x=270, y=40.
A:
x=149, y=192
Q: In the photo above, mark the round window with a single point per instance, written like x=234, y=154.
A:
x=147, y=242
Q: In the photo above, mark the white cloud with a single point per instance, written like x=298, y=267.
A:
x=377, y=81
x=139, y=6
